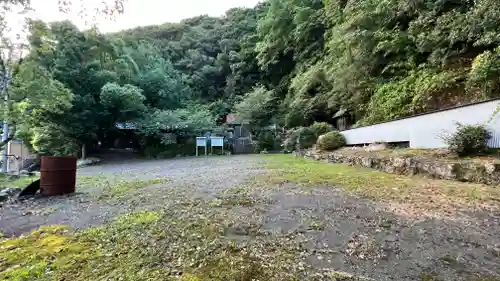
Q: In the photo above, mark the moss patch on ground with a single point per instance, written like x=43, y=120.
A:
x=143, y=246
x=422, y=192
x=52, y=253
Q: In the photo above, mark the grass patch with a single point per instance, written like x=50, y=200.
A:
x=122, y=188
x=52, y=253
x=316, y=225
x=115, y=187
x=17, y=182
x=91, y=181
x=422, y=192
x=233, y=197
x=142, y=246
x=229, y=201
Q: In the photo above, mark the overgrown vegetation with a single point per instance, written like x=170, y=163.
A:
x=307, y=137
x=285, y=62
x=267, y=141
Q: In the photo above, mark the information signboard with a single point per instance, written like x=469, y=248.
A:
x=217, y=141
x=201, y=141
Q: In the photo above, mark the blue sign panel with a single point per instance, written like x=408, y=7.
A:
x=217, y=141
x=201, y=141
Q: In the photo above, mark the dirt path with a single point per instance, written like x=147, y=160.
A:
x=334, y=233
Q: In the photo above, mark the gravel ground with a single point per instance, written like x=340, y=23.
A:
x=335, y=232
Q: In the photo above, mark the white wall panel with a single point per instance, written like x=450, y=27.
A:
x=424, y=131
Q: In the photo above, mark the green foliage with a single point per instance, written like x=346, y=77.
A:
x=161, y=83
x=290, y=62
x=82, y=62
x=256, y=106
x=410, y=95
x=123, y=102
x=484, y=76
x=331, y=141
x=306, y=137
x=289, y=143
x=321, y=128
x=17, y=181
x=52, y=139
x=40, y=102
x=468, y=140
x=192, y=119
x=154, y=150
x=162, y=151
x=266, y=141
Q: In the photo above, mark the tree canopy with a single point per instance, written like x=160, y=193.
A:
x=290, y=62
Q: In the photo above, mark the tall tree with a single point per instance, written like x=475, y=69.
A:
x=12, y=45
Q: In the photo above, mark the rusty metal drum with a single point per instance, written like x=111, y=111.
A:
x=57, y=175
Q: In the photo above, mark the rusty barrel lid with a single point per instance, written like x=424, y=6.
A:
x=57, y=175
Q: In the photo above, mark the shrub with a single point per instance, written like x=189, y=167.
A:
x=302, y=137
x=290, y=140
x=265, y=141
x=331, y=141
x=161, y=151
x=306, y=137
x=152, y=151
x=468, y=140
x=321, y=128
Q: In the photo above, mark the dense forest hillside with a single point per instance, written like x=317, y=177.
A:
x=376, y=59
x=290, y=62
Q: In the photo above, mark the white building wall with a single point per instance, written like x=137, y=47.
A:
x=424, y=131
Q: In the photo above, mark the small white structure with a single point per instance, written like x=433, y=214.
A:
x=17, y=153
x=201, y=142
x=216, y=142
x=425, y=130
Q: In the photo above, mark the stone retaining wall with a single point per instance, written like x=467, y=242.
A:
x=460, y=170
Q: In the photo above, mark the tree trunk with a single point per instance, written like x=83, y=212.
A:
x=5, y=137
x=84, y=152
